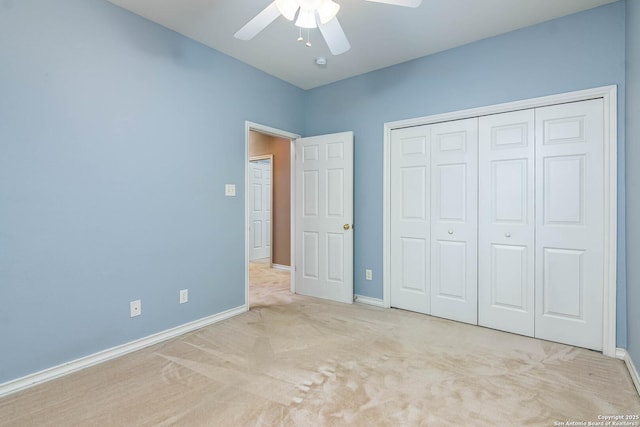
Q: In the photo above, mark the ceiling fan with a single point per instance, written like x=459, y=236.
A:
x=310, y=14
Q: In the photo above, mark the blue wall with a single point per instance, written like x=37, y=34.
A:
x=576, y=52
x=633, y=178
x=116, y=139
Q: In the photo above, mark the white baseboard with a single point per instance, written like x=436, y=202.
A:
x=623, y=354
x=54, y=372
x=368, y=300
x=281, y=267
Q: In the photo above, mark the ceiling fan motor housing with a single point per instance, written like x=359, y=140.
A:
x=307, y=10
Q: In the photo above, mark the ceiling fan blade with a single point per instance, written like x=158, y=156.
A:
x=334, y=36
x=258, y=23
x=406, y=3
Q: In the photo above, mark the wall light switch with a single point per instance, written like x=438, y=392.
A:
x=230, y=190
x=135, y=307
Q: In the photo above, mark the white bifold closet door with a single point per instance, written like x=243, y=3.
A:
x=570, y=223
x=410, y=218
x=507, y=222
x=434, y=219
x=541, y=222
x=499, y=220
x=454, y=220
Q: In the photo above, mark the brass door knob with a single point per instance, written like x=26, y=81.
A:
x=346, y=226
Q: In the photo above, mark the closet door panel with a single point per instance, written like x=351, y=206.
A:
x=454, y=220
x=410, y=210
x=570, y=223
x=506, y=222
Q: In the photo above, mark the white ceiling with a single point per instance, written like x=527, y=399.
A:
x=380, y=35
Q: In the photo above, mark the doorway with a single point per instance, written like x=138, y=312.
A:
x=319, y=232
x=269, y=212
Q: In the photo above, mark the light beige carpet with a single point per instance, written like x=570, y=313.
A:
x=300, y=361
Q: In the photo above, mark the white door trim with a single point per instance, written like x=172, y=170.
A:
x=248, y=127
x=609, y=95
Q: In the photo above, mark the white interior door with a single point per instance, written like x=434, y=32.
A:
x=506, y=222
x=260, y=209
x=324, y=216
x=410, y=230
x=570, y=223
x=454, y=220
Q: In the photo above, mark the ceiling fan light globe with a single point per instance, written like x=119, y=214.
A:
x=287, y=8
x=306, y=19
x=328, y=10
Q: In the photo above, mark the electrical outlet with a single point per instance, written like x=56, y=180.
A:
x=136, y=308
x=368, y=274
x=184, y=296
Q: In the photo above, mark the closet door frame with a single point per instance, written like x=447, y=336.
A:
x=610, y=158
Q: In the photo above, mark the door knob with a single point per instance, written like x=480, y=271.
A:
x=346, y=226
x=507, y=234
x=450, y=231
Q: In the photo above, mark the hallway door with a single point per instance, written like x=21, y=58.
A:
x=260, y=209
